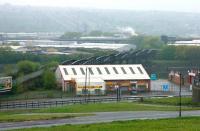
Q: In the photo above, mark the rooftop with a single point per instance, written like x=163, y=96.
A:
x=105, y=72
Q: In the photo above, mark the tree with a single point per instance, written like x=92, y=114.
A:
x=168, y=53
x=18, y=87
x=189, y=53
x=71, y=35
x=96, y=33
x=49, y=79
x=147, y=42
x=52, y=64
x=8, y=70
x=13, y=44
x=26, y=67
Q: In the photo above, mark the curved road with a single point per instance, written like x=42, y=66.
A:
x=99, y=118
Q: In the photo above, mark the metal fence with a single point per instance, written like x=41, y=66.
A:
x=55, y=103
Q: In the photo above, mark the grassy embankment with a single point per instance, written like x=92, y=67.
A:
x=173, y=124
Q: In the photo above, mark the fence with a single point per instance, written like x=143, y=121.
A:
x=55, y=103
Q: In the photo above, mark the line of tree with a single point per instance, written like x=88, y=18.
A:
x=147, y=42
x=45, y=81
x=93, y=33
x=11, y=57
x=189, y=53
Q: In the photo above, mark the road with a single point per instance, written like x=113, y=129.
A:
x=99, y=117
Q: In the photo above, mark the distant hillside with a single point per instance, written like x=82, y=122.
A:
x=40, y=19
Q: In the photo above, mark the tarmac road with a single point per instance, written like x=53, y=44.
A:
x=99, y=117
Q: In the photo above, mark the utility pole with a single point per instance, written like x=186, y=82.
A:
x=85, y=85
x=180, y=75
x=117, y=91
x=89, y=85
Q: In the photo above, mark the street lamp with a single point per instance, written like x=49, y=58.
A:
x=89, y=83
x=118, y=91
x=180, y=76
x=85, y=85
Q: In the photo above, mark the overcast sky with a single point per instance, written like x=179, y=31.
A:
x=166, y=5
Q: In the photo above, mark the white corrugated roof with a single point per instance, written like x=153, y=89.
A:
x=188, y=42
x=132, y=72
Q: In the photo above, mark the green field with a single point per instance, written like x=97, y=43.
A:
x=185, y=101
x=36, y=116
x=173, y=124
x=101, y=107
x=109, y=107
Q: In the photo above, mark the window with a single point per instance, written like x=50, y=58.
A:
x=123, y=70
x=106, y=69
x=115, y=70
x=65, y=70
x=99, y=70
x=74, y=71
x=91, y=72
x=82, y=71
x=132, y=71
x=140, y=70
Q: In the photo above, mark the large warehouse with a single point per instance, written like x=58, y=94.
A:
x=102, y=79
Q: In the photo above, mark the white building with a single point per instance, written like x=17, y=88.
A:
x=186, y=43
x=101, y=79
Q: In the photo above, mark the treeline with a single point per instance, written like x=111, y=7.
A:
x=11, y=57
x=93, y=33
x=189, y=53
x=46, y=80
x=147, y=42
x=182, y=53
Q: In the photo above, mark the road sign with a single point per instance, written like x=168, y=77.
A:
x=153, y=77
x=5, y=84
x=165, y=87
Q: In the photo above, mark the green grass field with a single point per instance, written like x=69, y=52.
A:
x=36, y=116
x=97, y=107
x=185, y=101
x=108, y=107
x=101, y=107
x=173, y=124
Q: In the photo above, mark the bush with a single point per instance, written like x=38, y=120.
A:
x=27, y=66
x=50, y=95
x=49, y=79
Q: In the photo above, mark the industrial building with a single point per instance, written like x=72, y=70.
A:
x=186, y=43
x=102, y=79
